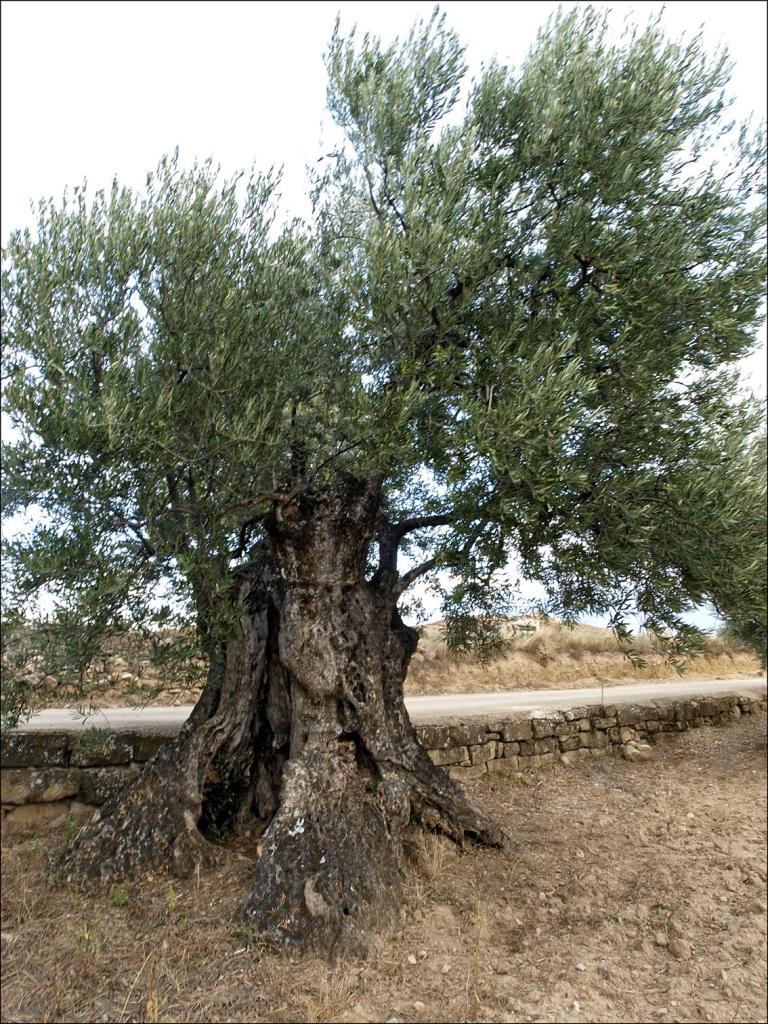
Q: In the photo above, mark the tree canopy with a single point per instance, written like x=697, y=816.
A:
x=522, y=317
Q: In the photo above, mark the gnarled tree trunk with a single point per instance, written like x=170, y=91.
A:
x=308, y=725
x=224, y=764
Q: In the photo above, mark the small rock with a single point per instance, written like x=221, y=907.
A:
x=690, y=814
x=393, y=1020
x=419, y=1006
x=580, y=854
x=576, y=1005
x=661, y=939
x=411, y=958
x=680, y=949
x=637, y=751
x=446, y=969
x=580, y=967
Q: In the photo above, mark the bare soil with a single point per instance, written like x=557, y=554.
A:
x=632, y=892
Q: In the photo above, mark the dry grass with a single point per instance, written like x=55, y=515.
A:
x=557, y=655
x=610, y=863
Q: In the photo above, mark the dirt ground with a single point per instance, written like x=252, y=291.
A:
x=632, y=892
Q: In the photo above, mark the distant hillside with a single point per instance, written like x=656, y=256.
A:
x=552, y=654
x=537, y=654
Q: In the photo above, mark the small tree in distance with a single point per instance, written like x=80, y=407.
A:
x=503, y=334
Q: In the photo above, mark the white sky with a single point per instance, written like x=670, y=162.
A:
x=90, y=90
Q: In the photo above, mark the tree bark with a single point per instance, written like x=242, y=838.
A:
x=329, y=870
x=225, y=762
x=307, y=730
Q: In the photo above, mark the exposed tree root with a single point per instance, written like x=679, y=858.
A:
x=328, y=873
x=229, y=741
x=151, y=826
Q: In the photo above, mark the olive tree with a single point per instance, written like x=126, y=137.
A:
x=507, y=331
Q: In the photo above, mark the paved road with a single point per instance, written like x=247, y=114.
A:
x=421, y=709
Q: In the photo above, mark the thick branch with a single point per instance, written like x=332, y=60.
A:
x=422, y=522
x=413, y=574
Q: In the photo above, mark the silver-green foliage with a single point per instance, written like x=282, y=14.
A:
x=522, y=317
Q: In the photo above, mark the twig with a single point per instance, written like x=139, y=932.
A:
x=133, y=986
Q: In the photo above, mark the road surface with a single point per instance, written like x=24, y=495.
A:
x=441, y=707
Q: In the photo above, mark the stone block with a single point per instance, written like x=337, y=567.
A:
x=511, y=749
x=519, y=730
x=631, y=714
x=34, y=750
x=637, y=751
x=43, y=785
x=574, y=714
x=433, y=737
x=664, y=712
x=145, y=747
x=479, y=753
x=709, y=708
x=466, y=734
x=495, y=728
x=97, y=785
x=626, y=734
x=570, y=742
x=652, y=725
x=96, y=747
x=450, y=755
x=545, y=746
x=604, y=721
x=567, y=728
x=585, y=724
x=543, y=727
x=503, y=766
x=593, y=739
x=34, y=816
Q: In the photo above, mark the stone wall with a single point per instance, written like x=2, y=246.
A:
x=51, y=778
